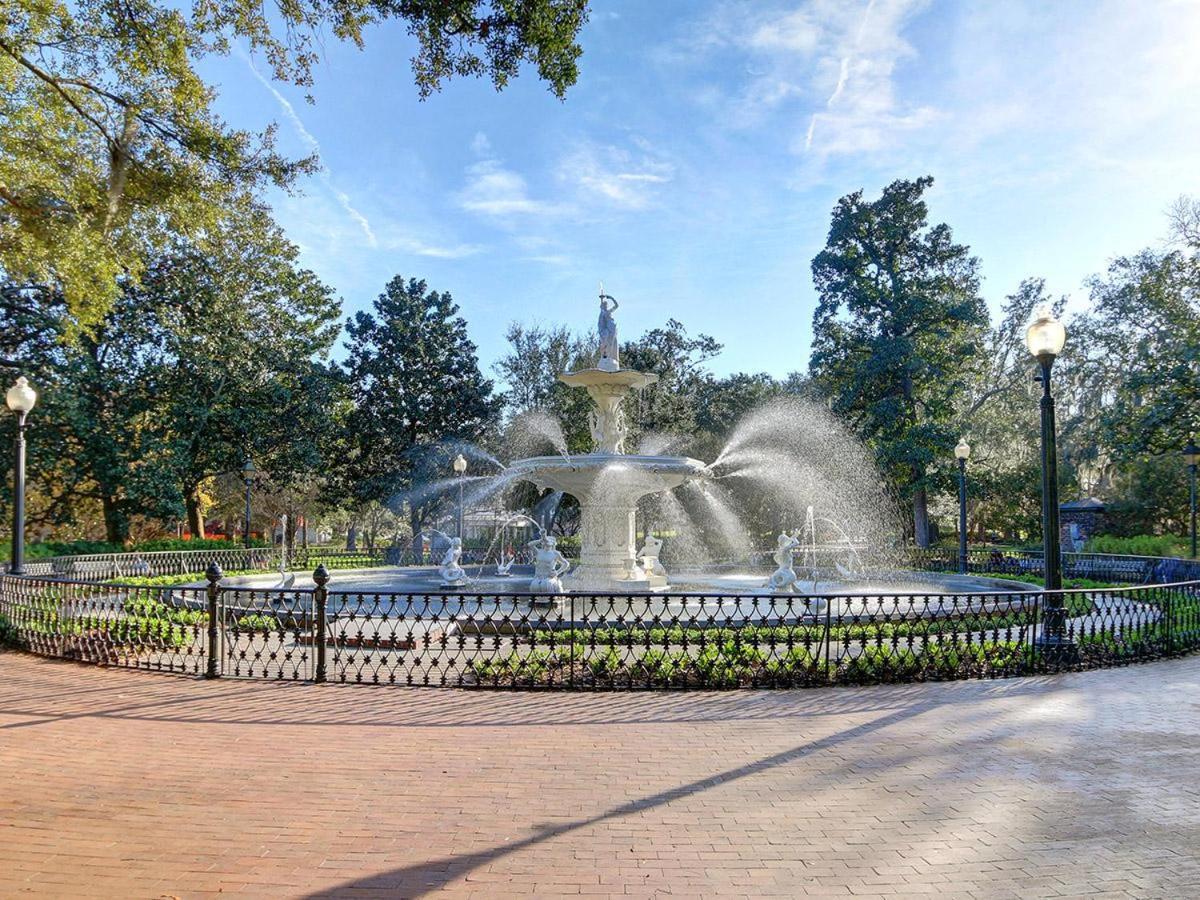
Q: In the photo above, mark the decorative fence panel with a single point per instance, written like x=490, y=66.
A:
x=592, y=641
x=136, y=627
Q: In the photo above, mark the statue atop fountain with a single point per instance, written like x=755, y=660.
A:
x=451, y=570
x=549, y=565
x=610, y=350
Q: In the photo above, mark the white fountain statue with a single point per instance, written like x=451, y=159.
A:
x=610, y=349
x=607, y=482
x=549, y=565
x=453, y=574
x=656, y=575
x=783, y=579
x=505, y=564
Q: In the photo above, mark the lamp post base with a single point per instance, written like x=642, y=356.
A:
x=1057, y=650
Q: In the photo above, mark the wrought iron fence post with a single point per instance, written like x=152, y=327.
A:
x=320, y=602
x=1166, y=614
x=214, y=575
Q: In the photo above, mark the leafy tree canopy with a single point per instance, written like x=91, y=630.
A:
x=414, y=386
x=898, y=323
x=110, y=148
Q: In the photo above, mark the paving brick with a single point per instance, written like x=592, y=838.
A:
x=131, y=784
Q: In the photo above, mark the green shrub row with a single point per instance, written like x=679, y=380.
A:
x=735, y=664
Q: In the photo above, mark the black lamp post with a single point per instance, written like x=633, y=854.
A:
x=248, y=473
x=460, y=469
x=1191, y=456
x=962, y=452
x=1045, y=338
x=21, y=399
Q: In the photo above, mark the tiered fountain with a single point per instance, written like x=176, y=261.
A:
x=608, y=482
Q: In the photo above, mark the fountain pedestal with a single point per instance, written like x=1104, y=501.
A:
x=608, y=487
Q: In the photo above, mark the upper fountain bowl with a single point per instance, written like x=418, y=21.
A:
x=609, y=477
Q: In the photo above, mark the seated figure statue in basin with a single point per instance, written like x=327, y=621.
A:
x=549, y=565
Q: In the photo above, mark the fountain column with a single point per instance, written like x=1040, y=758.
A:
x=607, y=482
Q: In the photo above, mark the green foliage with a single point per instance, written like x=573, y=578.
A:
x=214, y=355
x=111, y=149
x=899, y=322
x=1138, y=545
x=736, y=663
x=414, y=387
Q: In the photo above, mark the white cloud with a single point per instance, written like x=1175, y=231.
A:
x=793, y=32
x=830, y=64
x=420, y=248
x=614, y=175
x=492, y=190
x=480, y=145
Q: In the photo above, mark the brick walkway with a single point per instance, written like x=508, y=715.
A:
x=130, y=784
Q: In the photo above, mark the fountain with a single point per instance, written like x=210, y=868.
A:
x=608, y=482
x=789, y=475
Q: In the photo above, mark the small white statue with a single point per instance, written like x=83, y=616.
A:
x=651, y=547
x=507, y=558
x=610, y=353
x=453, y=574
x=783, y=579
x=549, y=565
x=652, y=569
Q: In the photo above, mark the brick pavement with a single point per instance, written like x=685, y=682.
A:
x=129, y=784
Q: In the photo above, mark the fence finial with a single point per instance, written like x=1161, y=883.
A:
x=213, y=573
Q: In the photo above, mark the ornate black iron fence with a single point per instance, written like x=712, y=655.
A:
x=590, y=641
x=1095, y=566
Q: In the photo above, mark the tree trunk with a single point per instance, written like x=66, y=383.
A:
x=920, y=517
x=352, y=537
x=418, y=545
x=195, y=515
x=116, y=525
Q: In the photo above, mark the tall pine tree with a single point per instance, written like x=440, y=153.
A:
x=413, y=379
x=899, y=321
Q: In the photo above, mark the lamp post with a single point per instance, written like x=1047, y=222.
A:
x=460, y=469
x=1045, y=338
x=962, y=452
x=1191, y=456
x=248, y=473
x=21, y=399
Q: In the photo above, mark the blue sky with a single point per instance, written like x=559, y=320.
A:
x=694, y=166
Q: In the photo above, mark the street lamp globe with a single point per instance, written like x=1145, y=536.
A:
x=249, y=470
x=1191, y=453
x=962, y=450
x=1045, y=335
x=21, y=397
x=460, y=464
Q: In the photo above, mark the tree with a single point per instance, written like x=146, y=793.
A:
x=667, y=407
x=1142, y=340
x=998, y=415
x=530, y=370
x=898, y=324
x=412, y=378
x=110, y=148
x=212, y=356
